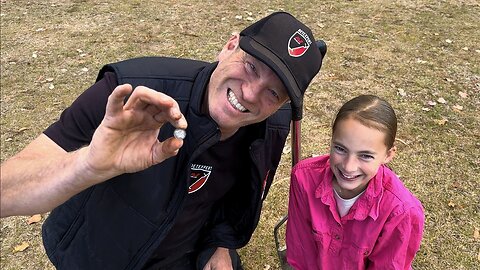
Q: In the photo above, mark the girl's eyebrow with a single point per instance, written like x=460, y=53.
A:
x=366, y=152
x=363, y=152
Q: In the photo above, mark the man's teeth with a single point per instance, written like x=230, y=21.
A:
x=233, y=100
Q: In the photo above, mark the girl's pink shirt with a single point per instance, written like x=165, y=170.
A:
x=382, y=230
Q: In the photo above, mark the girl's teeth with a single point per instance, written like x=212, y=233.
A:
x=348, y=177
x=233, y=100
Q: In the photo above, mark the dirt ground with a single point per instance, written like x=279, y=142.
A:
x=422, y=56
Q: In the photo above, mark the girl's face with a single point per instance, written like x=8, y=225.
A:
x=356, y=153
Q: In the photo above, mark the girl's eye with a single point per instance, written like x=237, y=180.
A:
x=366, y=157
x=339, y=149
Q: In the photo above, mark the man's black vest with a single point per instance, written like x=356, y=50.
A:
x=119, y=223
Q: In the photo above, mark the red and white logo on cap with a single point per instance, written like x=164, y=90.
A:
x=298, y=43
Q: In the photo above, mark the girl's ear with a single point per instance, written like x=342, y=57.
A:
x=231, y=45
x=390, y=154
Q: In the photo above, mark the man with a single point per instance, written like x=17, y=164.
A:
x=126, y=194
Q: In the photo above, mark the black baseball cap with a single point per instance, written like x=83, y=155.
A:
x=288, y=47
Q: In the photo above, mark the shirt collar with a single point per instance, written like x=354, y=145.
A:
x=367, y=205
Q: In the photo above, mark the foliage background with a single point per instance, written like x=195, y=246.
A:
x=422, y=56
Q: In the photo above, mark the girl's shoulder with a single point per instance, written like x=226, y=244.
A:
x=396, y=192
x=312, y=171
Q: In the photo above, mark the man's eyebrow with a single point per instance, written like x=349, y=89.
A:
x=255, y=60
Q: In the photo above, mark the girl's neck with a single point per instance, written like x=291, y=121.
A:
x=346, y=194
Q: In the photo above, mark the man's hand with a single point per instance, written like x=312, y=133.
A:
x=126, y=140
x=220, y=260
x=43, y=176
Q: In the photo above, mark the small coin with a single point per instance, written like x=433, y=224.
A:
x=180, y=133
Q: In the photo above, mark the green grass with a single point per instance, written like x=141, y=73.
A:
x=425, y=49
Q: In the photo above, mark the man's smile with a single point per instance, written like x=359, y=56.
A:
x=234, y=101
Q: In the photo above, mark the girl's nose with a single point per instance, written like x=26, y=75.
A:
x=350, y=165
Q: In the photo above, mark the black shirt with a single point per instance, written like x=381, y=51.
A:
x=212, y=175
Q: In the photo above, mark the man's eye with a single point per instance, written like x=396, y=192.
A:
x=274, y=94
x=251, y=67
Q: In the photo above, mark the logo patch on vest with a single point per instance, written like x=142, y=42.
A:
x=298, y=43
x=199, y=175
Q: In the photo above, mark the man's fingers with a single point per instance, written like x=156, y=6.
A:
x=116, y=99
x=162, y=107
x=166, y=149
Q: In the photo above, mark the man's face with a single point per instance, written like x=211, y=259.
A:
x=242, y=90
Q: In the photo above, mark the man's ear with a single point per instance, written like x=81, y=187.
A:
x=231, y=45
x=390, y=154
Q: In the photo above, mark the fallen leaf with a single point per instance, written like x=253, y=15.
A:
x=51, y=86
x=425, y=109
x=457, y=107
x=448, y=41
x=287, y=149
x=21, y=247
x=448, y=80
x=476, y=233
x=451, y=204
x=465, y=48
x=84, y=69
x=49, y=79
x=401, y=92
x=8, y=139
x=432, y=103
x=34, y=219
x=441, y=100
x=462, y=94
x=440, y=122
x=22, y=129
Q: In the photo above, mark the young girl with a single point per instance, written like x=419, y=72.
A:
x=347, y=210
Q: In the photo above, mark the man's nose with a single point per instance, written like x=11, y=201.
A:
x=252, y=91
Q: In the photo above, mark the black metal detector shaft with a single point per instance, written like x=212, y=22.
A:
x=296, y=156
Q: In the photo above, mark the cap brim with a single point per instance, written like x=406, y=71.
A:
x=255, y=49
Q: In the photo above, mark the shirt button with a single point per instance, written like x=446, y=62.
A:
x=365, y=253
x=337, y=237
